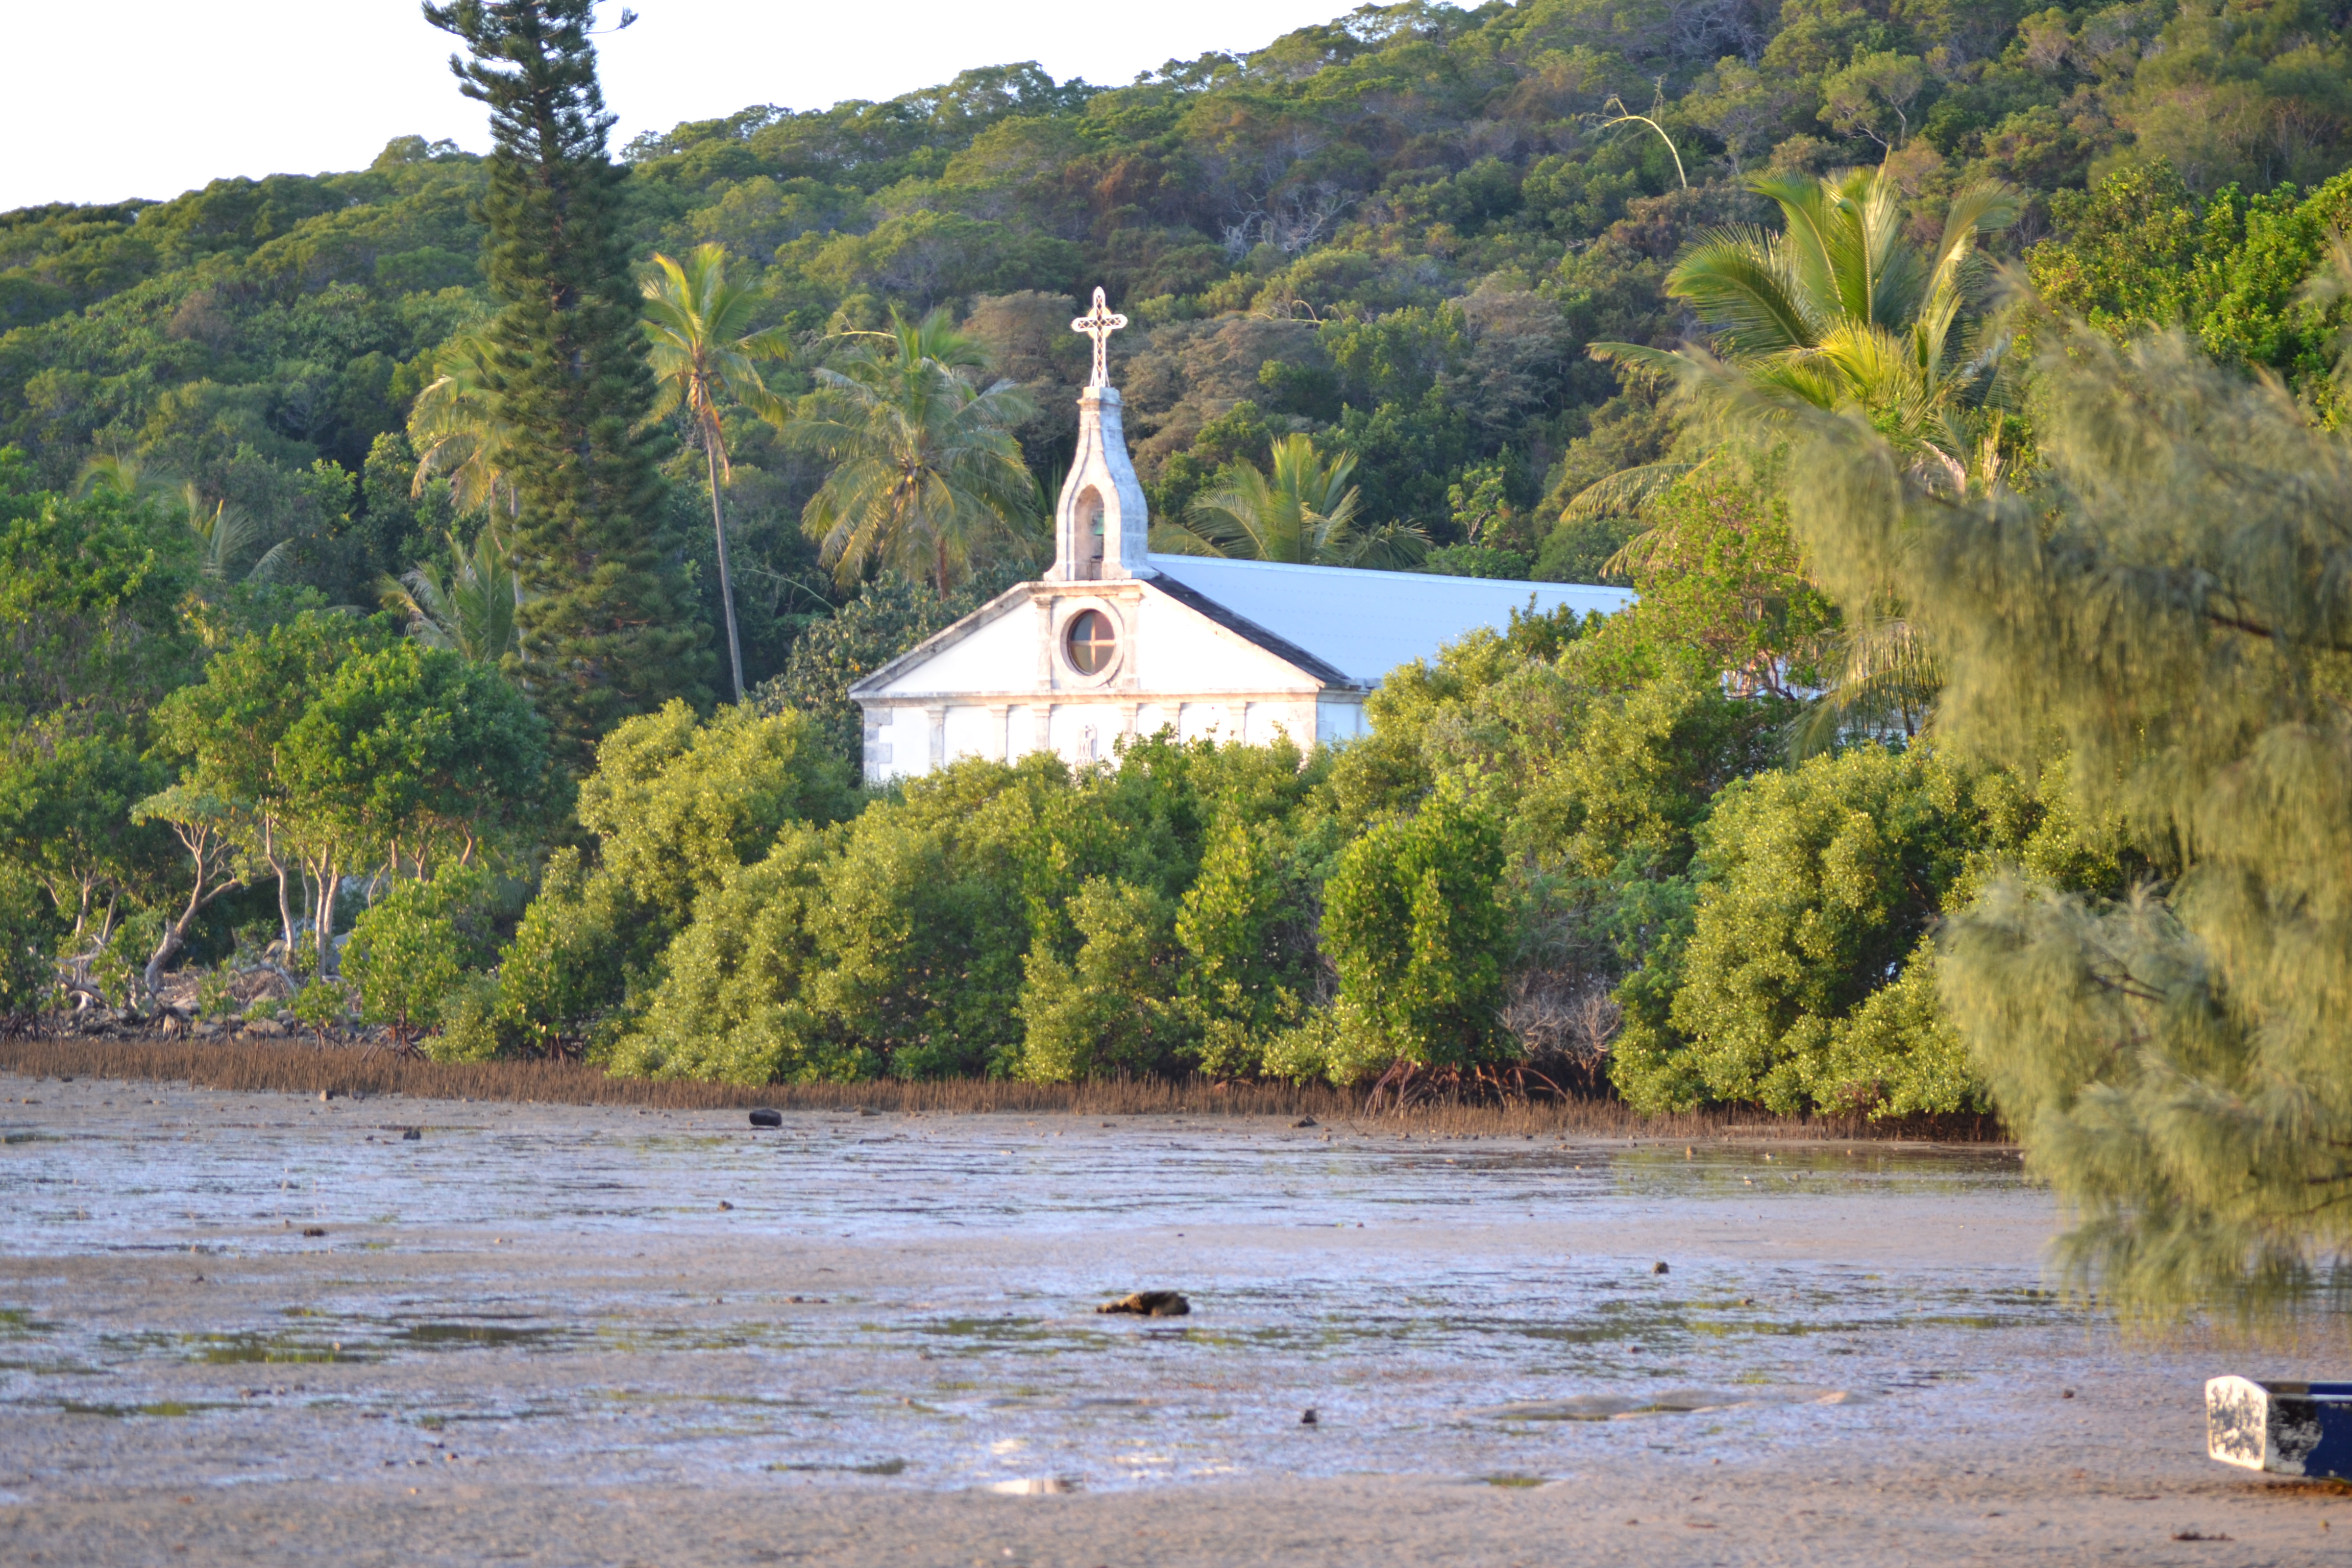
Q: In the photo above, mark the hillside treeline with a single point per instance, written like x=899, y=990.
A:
x=1398, y=231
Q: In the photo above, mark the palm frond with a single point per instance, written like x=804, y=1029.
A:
x=123, y=474
x=460, y=430
x=1979, y=207
x=1654, y=364
x=1884, y=682
x=1740, y=286
x=1623, y=492
x=467, y=605
x=1181, y=538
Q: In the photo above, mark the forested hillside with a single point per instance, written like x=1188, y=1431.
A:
x=1399, y=230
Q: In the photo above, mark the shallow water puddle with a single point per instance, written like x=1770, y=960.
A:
x=911, y=1302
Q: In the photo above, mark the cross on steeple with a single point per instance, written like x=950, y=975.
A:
x=1099, y=323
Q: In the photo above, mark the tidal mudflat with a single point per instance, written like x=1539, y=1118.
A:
x=259, y=1328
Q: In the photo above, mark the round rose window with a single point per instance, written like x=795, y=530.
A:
x=1090, y=642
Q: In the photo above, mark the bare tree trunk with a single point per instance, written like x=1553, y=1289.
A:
x=726, y=582
x=206, y=849
x=285, y=908
x=330, y=885
x=277, y=864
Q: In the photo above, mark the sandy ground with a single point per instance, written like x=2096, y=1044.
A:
x=534, y=1334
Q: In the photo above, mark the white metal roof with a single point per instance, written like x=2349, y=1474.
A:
x=1366, y=624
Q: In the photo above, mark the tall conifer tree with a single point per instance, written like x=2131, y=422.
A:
x=609, y=631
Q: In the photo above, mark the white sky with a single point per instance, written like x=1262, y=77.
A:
x=178, y=92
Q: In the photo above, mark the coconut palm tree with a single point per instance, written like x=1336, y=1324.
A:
x=459, y=433
x=701, y=354
x=226, y=533
x=1839, y=313
x=468, y=607
x=1305, y=514
x=926, y=475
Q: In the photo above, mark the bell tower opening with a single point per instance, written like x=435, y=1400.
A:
x=1087, y=536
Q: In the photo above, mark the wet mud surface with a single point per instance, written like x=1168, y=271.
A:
x=246, y=1328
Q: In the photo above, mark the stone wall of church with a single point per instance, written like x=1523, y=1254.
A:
x=904, y=741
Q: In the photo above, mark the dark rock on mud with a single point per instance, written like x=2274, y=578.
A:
x=1305, y=1121
x=766, y=1118
x=1660, y=1267
x=1150, y=1304
x=412, y=1135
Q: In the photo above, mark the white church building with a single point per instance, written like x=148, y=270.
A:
x=1117, y=641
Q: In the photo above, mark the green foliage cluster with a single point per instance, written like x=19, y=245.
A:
x=409, y=950
x=28, y=978
x=2141, y=250
x=1805, y=979
x=676, y=808
x=2171, y=1052
x=1023, y=921
x=1416, y=935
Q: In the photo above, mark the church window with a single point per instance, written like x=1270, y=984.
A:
x=1090, y=641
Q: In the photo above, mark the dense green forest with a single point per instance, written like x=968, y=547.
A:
x=1399, y=231
x=1960, y=387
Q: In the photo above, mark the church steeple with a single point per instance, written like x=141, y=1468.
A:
x=1102, y=525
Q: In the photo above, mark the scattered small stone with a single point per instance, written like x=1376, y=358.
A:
x=1305, y=1122
x=412, y=1135
x=1150, y=1304
x=1660, y=1267
x=1306, y=1417
x=763, y=1117
x=723, y=1204
x=312, y=1230
x=867, y=1110
x=326, y=1094
x=2065, y=1393
x=267, y=1028
x=2193, y=1535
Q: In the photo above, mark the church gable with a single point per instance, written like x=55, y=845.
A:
x=994, y=648
x=1151, y=638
